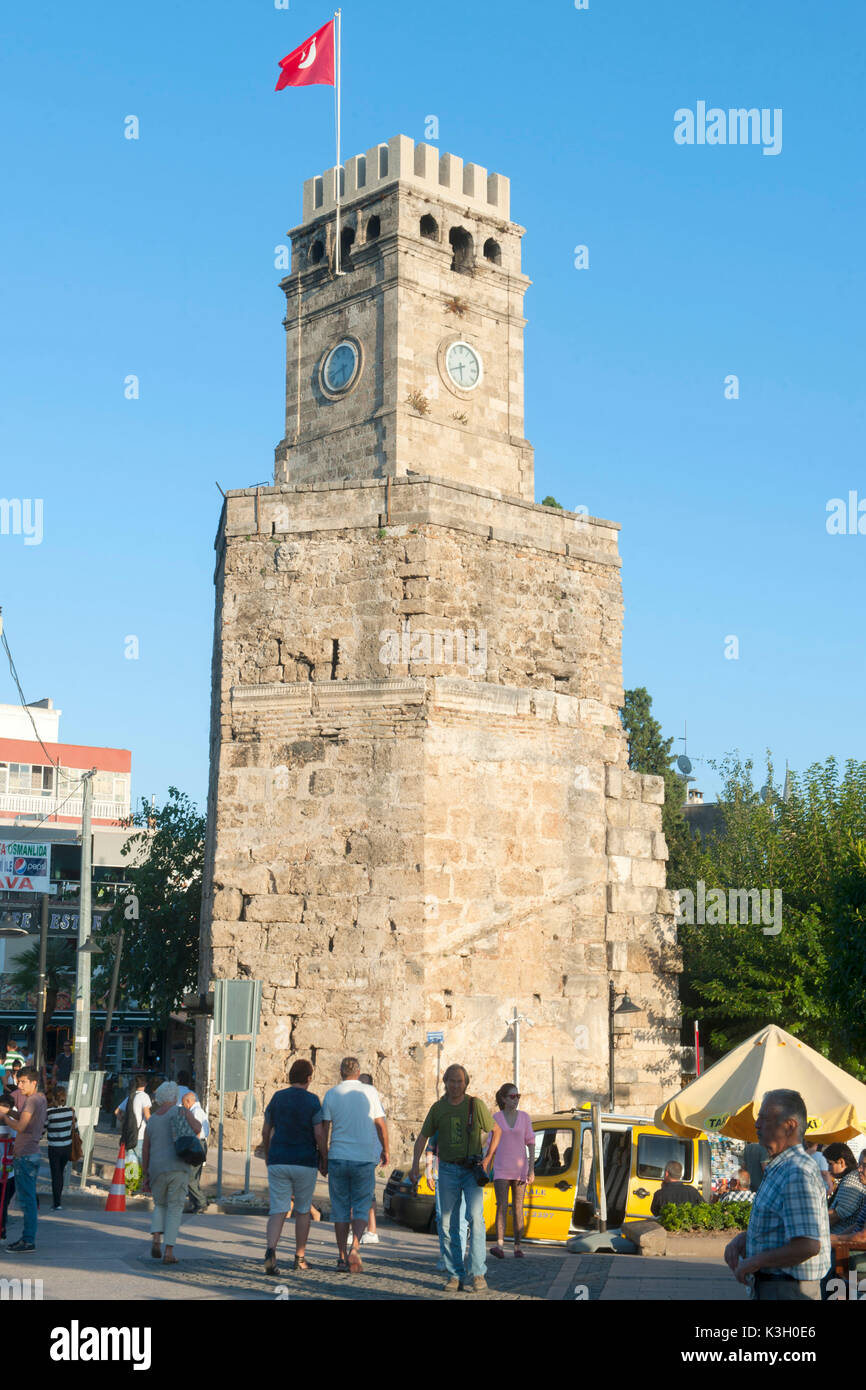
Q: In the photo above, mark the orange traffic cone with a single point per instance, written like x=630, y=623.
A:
x=116, y=1200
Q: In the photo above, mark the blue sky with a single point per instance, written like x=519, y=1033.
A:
x=155, y=257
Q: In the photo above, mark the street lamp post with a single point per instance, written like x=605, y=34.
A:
x=42, y=987
x=82, y=982
x=625, y=1007
x=514, y=1023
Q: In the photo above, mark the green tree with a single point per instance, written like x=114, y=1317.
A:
x=649, y=752
x=810, y=978
x=59, y=973
x=161, y=913
x=552, y=502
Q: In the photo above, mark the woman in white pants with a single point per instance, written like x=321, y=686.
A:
x=162, y=1172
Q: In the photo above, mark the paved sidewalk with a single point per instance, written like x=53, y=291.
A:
x=86, y=1254
x=89, y=1254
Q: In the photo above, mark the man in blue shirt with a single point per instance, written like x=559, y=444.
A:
x=787, y=1245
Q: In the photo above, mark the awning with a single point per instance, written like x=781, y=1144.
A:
x=65, y=1018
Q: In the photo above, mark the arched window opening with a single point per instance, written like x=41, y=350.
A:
x=493, y=252
x=347, y=241
x=317, y=253
x=464, y=251
x=429, y=228
x=374, y=228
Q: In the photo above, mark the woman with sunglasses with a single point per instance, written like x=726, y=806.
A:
x=513, y=1167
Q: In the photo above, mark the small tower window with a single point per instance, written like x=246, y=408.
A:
x=430, y=228
x=493, y=252
x=347, y=241
x=374, y=227
x=317, y=253
x=464, y=251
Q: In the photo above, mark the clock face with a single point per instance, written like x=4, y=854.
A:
x=464, y=366
x=341, y=367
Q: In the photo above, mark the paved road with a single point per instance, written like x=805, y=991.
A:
x=87, y=1254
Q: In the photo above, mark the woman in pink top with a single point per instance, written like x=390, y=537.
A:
x=513, y=1166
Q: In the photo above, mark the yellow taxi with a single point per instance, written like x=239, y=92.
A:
x=559, y=1205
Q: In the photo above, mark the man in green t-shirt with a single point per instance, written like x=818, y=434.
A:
x=460, y=1122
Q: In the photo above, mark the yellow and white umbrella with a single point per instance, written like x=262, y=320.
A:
x=727, y=1098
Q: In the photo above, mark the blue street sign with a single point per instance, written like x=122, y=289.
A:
x=435, y=1037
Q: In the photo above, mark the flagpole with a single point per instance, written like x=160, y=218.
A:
x=338, y=17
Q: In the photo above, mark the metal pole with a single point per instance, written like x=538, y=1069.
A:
x=112, y=993
x=611, y=1002
x=598, y=1159
x=697, y=1049
x=338, y=24
x=219, y=1021
x=85, y=912
x=42, y=985
x=517, y=1049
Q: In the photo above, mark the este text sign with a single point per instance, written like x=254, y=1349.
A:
x=25, y=867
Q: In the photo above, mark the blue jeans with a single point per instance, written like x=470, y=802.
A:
x=457, y=1184
x=458, y=1236
x=352, y=1189
x=26, y=1170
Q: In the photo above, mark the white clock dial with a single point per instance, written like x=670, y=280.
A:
x=341, y=367
x=464, y=366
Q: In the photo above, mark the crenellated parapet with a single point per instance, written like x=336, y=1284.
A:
x=419, y=166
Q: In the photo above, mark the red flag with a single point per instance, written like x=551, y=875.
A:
x=312, y=64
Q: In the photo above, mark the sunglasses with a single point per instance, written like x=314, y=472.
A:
x=513, y=1095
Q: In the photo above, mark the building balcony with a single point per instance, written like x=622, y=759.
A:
x=29, y=808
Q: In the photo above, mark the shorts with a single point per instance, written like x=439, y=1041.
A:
x=352, y=1187
x=288, y=1180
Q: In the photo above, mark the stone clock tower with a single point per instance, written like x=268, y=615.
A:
x=421, y=814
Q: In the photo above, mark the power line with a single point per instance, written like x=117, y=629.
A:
x=24, y=704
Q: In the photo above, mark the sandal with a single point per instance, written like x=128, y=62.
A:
x=169, y=1260
x=342, y=1267
x=518, y=1253
x=301, y=1263
x=355, y=1265
x=156, y=1252
x=498, y=1252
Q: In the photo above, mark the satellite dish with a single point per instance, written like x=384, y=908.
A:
x=684, y=764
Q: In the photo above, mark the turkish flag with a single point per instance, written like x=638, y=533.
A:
x=312, y=64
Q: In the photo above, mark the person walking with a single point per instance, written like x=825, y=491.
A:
x=164, y=1174
x=59, y=1127
x=371, y=1235
x=196, y=1200
x=458, y=1239
x=348, y=1111
x=786, y=1249
x=7, y=1174
x=513, y=1167
x=293, y=1139
x=28, y=1128
x=136, y=1111
x=62, y=1069
x=461, y=1121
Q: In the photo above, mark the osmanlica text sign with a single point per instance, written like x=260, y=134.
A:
x=25, y=867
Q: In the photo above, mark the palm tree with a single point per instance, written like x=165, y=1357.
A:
x=59, y=973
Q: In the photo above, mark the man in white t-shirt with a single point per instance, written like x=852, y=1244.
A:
x=348, y=1110
x=141, y=1111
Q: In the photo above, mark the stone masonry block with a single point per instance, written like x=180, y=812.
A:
x=613, y=782
x=654, y=790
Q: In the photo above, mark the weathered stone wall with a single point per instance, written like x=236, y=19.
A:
x=409, y=845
